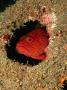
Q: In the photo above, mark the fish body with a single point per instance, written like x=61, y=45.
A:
x=33, y=44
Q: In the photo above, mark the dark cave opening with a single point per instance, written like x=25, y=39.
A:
x=17, y=34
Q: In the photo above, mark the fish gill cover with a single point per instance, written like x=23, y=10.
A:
x=17, y=34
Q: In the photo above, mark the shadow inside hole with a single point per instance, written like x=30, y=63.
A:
x=17, y=34
x=5, y=3
x=64, y=85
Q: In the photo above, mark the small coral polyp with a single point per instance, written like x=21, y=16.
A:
x=28, y=43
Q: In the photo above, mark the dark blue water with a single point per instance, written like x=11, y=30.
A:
x=5, y=3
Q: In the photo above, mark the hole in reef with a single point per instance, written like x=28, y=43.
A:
x=64, y=85
x=17, y=34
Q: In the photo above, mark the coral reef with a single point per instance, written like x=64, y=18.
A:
x=44, y=76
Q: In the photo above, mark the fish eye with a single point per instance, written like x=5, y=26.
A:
x=29, y=39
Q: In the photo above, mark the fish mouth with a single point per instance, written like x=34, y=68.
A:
x=22, y=50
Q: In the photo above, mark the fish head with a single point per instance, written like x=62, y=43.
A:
x=33, y=43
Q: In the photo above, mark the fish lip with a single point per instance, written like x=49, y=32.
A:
x=25, y=51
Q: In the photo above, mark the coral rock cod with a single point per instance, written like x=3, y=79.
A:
x=34, y=43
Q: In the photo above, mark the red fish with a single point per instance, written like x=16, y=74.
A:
x=33, y=44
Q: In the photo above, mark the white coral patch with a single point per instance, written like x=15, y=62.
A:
x=54, y=20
